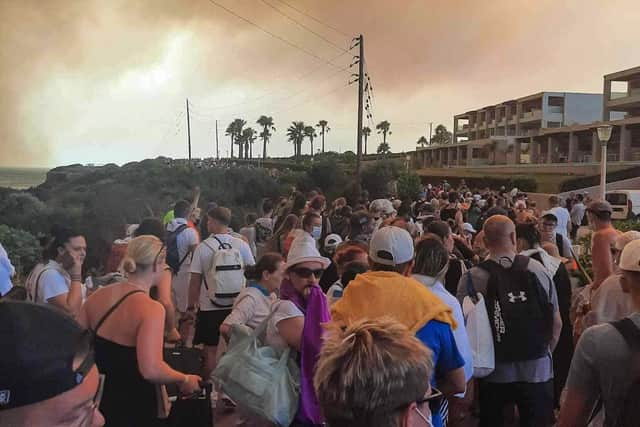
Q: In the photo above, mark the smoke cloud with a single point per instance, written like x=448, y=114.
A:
x=100, y=82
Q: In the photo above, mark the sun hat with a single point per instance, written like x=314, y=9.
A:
x=332, y=240
x=39, y=348
x=303, y=249
x=630, y=258
x=391, y=246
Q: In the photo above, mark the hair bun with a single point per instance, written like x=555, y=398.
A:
x=129, y=265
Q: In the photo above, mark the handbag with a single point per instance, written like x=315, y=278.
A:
x=478, y=331
x=259, y=378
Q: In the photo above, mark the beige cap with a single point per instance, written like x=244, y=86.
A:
x=630, y=258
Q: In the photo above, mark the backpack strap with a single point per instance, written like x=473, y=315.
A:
x=222, y=245
x=113, y=308
x=560, y=244
x=630, y=332
x=37, y=284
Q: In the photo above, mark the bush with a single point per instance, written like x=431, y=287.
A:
x=22, y=247
x=376, y=179
x=409, y=185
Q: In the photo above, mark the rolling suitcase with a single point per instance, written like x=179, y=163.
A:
x=194, y=411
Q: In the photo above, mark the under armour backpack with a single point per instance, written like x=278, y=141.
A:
x=628, y=415
x=224, y=278
x=171, y=242
x=520, y=311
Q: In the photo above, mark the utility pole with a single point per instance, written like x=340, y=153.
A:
x=217, y=150
x=188, y=133
x=360, y=111
x=430, y=131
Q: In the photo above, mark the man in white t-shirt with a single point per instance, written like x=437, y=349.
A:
x=562, y=214
x=209, y=315
x=58, y=281
x=187, y=239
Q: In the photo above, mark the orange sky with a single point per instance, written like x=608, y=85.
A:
x=106, y=81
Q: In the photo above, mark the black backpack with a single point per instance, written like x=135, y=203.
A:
x=171, y=241
x=520, y=311
x=628, y=415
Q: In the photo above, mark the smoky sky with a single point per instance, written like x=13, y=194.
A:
x=106, y=81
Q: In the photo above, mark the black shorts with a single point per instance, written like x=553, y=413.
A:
x=208, y=326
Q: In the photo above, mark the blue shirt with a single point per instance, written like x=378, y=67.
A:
x=439, y=338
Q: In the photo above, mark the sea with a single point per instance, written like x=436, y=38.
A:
x=22, y=178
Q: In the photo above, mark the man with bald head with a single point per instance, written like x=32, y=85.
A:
x=525, y=321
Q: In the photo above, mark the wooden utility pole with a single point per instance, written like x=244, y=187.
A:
x=360, y=111
x=430, y=131
x=188, y=133
x=217, y=149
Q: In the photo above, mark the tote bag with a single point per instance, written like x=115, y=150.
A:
x=479, y=331
x=259, y=378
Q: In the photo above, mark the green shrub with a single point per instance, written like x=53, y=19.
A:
x=409, y=185
x=22, y=247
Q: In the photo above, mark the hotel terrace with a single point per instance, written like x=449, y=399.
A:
x=547, y=128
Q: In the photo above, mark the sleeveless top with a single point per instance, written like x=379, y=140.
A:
x=128, y=399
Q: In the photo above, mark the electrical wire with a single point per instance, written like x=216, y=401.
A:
x=314, y=18
x=301, y=25
x=268, y=94
x=282, y=39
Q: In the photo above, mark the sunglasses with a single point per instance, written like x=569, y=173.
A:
x=435, y=396
x=306, y=273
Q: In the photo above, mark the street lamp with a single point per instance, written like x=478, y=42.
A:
x=604, y=135
x=408, y=161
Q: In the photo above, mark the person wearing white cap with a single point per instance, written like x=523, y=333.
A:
x=388, y=291
x=608, y=302
x=604, y=366
x=297, y=319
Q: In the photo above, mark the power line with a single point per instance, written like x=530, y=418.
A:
x=301, y=25
x=314, y=18
x=282, y=39
x=282, y=90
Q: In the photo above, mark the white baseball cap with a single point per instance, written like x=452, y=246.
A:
x=332, y=240
x=630, y=258
x=468, y=227
x=391, y=246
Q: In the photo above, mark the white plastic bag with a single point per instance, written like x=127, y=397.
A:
x=479, y=332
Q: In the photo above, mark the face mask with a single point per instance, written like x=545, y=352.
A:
x=316, y=232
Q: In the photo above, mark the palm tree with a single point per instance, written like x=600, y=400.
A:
x=384, y=128
x=442, y=136
x=366, y=131
x=324, y=128
x=310, y=132
x=235, y=130
x=422, y=142
x=230, y=131
x=383, y=148
x=267, y=127
x=295, y=135
x=248, y=138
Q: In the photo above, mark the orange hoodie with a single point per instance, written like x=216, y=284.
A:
x=381, y=293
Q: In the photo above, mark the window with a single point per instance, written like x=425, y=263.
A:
x=619, y=199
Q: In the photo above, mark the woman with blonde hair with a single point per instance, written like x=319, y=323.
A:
x=128, y=327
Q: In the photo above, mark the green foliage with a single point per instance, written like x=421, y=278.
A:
x=22, y=247
x=442, y=136
x=409, y=185
x=376, y=179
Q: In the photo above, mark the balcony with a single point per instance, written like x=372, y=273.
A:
x=531, y=116
x=623, y=103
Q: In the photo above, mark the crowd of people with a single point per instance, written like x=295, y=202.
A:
x=372, y=300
